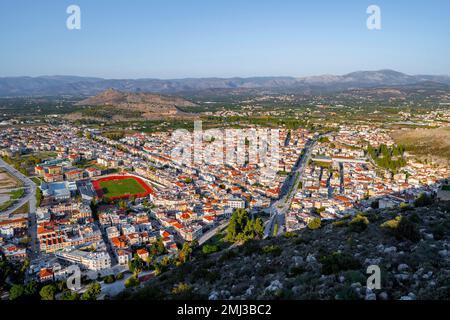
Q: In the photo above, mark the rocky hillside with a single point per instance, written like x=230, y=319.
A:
x=410, y=245
x=146, y=105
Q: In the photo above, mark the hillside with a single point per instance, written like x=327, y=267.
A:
x=326, y=263
x=430, y=144
x=133, y=105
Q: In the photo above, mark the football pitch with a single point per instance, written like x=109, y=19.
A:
x=118, y=188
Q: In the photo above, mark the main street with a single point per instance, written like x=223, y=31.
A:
x=30, y=197
x=276, y=224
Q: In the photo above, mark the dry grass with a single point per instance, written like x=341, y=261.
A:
x=425, y=142
x=25, y=209
x=7, y=181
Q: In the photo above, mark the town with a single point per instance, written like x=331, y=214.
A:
x=123, y=208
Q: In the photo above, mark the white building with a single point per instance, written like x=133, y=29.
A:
x=236, y=203
x=123, y=256
x=112, y=232
x=90, y=260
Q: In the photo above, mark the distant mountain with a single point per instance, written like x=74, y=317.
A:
x=120, y=99
x=88, y=86
x=111, y=103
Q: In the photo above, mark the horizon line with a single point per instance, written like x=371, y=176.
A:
x=216, y=77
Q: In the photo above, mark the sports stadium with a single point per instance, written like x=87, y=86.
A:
x=121, y=187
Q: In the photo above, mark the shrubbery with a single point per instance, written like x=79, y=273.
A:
x=337, y=261
x=16, y=292
x=209, y=248
x=131, y=281
x=423, y=200
x=119, y=276
x=359, y=223
x=182, y=289
x=406, y=229
x=290, y=234
x=227, y=255
x=295, y=271
x=48, y=292
x=92, y=292
x=402, y=228
x=69, y=295
x=109, y=279
x=314, y=224
x=404, y=206
x=340, y=223
x=272, y=249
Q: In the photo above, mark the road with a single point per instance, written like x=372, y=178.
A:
x=279, y=208
x=30, y=190
x=30, y=197
x=211, y=233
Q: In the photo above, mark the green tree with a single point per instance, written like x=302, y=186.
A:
x=31, y=288
x=131, y=281
x=158, y=247
x=25, y=265
x=258, y=227
x=243, y=228
x=48, y=292
x=123, y=205
x=38, y=197
x=119, y=276
x=16, y=292
x=69, y=295
x=185, y=252
x=136, y=265
x=92, y=292
x=109, y=279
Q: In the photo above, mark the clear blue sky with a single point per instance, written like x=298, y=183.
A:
x=223, y=38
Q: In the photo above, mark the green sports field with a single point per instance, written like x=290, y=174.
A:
x=118, y=188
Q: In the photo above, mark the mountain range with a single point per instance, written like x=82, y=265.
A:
x=88, y=86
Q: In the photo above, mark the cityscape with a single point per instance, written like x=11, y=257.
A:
x=223, y=187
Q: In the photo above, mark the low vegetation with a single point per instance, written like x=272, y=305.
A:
x=314, y=224
x=329, y=262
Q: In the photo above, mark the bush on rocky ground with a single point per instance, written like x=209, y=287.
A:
x=359, y=223
x=337, y=261
x=402, y=228
x=325, y=263
x=315, y=224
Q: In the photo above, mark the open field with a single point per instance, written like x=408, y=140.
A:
x=8, y=190
x=25, y=209
x=425, y=142
x=10, y=198
x=120, y=187
x=8, y=181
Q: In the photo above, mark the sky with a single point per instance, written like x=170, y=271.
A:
x=217, y=38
